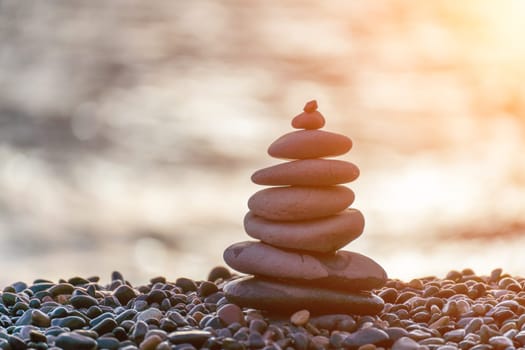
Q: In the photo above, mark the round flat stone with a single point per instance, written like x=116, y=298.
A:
x=260, y=293
x=307, y=172
x=321, y=235
x=308, y=120
x=300, y=202
x=75, y=341
x=341, y=270
x=306, y=144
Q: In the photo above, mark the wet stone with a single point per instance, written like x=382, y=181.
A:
x=186, y=284
x=139, y=331
x=36, y=336
x=230, y=313
x=366, y=336
x=104, y=326
x=148, y=314
x=108, y=343
x=405, y=343
x=61, y=288
x=71, y=322
x=150, y=343
x=193, y=337
x=219, y=272
x=124, y=294
x=74, y=341
x=83, y=301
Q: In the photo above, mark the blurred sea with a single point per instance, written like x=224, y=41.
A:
x=129, y=129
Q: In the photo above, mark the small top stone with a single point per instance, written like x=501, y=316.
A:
x=310, y=106
x=310, y=119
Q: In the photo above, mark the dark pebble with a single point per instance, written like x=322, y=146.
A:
x=93, y=279
x=62, y=288
x=186, y=284
x=104, y=326
x=230, y=313
x=19, y=344
x=82, y=301
x=75, y=341
x=168, y=325
x=101, y=317
x=108, y=343
x=37, y=336
x=158, y=279
x=156, y=296
x=389, y=295
x=125, y=315
x=394, y=333
x=255, y=340
x=206, y=288
x=219, y=272
x=116, y=276
x=139, y=331
x=71, y=322
x=41, y=286
x=9, y=298
x=195, y=337
x=300, y=341
x=77, y=281
x=364, y=336
x=120, y=333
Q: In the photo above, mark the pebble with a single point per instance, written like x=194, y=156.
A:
x=124, y=294
x=300, y=318
x=219, y=272
x=75, y=341
x=405, y=343
x=149, y=314
x=369, y=335
x=82, y=301
x=150, y=343
x=194, y=337
x=108, y=343
x=105, y=326
x=71, y=322
x=230, y=313
x=500, y=342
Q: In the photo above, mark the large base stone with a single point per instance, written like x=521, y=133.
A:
x=277, y=297
x=342, y=270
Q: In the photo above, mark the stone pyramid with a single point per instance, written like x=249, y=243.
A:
x=301, y=223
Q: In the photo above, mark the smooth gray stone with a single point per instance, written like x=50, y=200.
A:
x=194, y=337
x=74, y=341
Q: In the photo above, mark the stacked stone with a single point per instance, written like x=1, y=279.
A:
x=301, y=224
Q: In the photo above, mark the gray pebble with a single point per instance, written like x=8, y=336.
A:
x=366, y=336
x=75, y=341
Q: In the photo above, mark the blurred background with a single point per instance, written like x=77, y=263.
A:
x=129, y=129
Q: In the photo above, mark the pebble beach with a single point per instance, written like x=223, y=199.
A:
x=458, y=311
